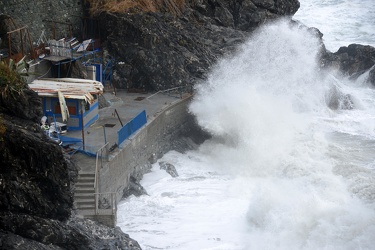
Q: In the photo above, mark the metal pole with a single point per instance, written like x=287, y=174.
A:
x=22, y=51
x=33, y=56
x=105, y=137
x=114, y=84
x=119, y=118
x=83, y=125
x=10, y=47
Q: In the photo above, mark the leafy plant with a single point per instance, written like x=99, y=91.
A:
x=11, y=83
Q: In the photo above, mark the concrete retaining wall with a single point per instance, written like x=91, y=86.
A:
x=151, y=141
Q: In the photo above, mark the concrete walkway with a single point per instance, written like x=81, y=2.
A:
x=122, y=108
x=127, y=105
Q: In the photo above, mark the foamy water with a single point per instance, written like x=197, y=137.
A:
x=282, y=171
x=342, y=22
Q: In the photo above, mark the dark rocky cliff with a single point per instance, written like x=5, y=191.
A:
x=352, y=61
x=157, y=51
x=36, y=182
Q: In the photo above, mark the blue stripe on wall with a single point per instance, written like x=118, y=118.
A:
x=92, y=121
x=92, y=107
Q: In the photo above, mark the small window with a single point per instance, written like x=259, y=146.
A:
x=57, y=109
x=72, y=109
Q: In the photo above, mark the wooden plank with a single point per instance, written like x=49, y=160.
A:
x=63, y=106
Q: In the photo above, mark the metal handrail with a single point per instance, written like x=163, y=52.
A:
x=97, y=169
x=97, y=174
x=161, y=91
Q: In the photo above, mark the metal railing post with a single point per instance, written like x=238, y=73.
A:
x=99, y=153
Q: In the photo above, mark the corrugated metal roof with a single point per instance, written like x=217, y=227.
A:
x=72, y=88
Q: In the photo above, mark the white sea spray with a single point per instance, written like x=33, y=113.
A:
x=282, y=171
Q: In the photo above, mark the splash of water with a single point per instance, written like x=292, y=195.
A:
x=261, y=99
x=282, y=171
x=267, y=110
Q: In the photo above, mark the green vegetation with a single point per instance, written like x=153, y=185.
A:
x=11, y=83
x=123, y=6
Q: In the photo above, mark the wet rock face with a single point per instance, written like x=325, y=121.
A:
x=169, y=168
x=157, y=51
x=352, y=61
x=245, y=15
x=336, y=99
x=371, y=77
x=135, y=188
x=32, y=232
x=33, y=172
x=27, y=105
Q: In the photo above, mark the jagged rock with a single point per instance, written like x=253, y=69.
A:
x=13, y=241
x=169, y=168
x=371, y=77
x=34, y=175
x=351, y=61
x=157, y=51
x=27, y=106
x=153, y=158
x=34, y=232
x=135, y=188
x=224, y=17
x=338, y=100
x=141, y=170
x=247, y=15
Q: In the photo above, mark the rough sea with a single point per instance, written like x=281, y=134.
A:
x=283, y=170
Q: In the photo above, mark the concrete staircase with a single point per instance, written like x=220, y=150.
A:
x=84, y=197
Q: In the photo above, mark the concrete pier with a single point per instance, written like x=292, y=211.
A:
x=106, y=168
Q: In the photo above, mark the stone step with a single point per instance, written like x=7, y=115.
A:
x=86, y=174
x=84, y=185
x=86, y=212
x=85, y=200
x=87, y=190
x=83, y=195
x=85, y=206
x=85, y=179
